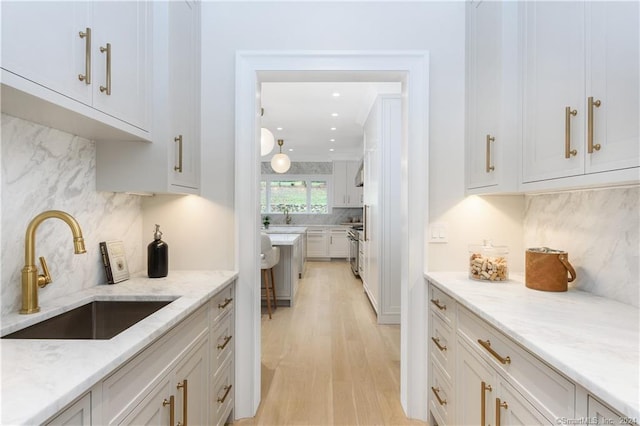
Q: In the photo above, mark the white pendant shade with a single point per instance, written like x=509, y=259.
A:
x=280, y=163
x=267, y=141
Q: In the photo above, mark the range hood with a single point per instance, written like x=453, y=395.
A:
x=359, y=179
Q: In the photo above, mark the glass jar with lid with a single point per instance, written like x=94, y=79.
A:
x=488, y=262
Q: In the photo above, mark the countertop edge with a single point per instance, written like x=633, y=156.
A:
x=567, y=369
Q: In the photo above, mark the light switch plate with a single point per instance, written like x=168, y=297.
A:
x=438, y=232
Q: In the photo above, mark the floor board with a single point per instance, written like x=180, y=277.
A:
x=326, y=361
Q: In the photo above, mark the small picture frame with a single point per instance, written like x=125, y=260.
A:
x=114, y=261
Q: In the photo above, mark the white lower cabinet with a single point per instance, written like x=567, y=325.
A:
x=317, y=243
x=78, y=414
x=338, y=243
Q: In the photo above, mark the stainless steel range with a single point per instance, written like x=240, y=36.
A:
x=353, y=235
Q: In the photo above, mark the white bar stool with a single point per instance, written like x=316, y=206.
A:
x=269, y=257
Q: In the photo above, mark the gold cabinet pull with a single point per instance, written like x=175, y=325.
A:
x=226, y=303
x=226, y=342
x=590, y=146
x=436, y=392
x=483, y=402
x=487, y=345
x=184, y=386
x=436, y=340
x=499, y=405
x=488, y=167
x=568, y=112
x=172, y=409
x=107, y=89
x=227, y=389
x=178, y=168
x=86, y=77
x=436, y=302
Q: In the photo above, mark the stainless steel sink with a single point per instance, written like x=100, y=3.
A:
x=98, y=320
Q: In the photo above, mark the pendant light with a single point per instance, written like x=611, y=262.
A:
x=267, y=141
x=280, y=163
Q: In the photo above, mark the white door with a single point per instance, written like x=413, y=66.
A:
x=475, y=388
x=191, y=380
x=613, y=78
x=554, y=77
x=156, y=408
x=41, y=42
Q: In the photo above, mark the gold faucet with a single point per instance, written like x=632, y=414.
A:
x=30, y=278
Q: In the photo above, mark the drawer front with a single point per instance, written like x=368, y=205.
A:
x=440, y=396
x=222, y=303
x=442, y=304
x=441, y=341
x=222, y=341
x=550, y=392
x=132, y=380
x=222, y=394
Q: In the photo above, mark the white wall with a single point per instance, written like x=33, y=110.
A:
x=44, y=169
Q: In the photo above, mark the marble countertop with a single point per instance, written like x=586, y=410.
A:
x=285, y=229
x=40, y=377
x=284, y=239
x=592, y=340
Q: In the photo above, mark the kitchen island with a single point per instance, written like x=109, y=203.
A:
x=290, y=267
x=590, y=343
x=41, y=377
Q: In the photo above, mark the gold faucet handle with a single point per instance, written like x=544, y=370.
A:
x=44, y=278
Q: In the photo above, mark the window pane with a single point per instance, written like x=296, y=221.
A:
x=289, y=194
x=263, y=196
x=319, y=197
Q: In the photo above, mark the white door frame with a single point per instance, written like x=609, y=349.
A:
x=412, y=69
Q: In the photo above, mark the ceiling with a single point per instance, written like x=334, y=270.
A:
x=300, y=114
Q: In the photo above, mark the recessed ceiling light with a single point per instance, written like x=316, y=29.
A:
x=331, y=149
x=336, y=94
x=332, y=140
x=278, y=128
x=333, y=128
x=334, y=114
x=290, y=149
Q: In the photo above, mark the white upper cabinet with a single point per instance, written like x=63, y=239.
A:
x=79, y=66
x=492, y=133
x=345, y=192
x=574, y=52
x=171, y=163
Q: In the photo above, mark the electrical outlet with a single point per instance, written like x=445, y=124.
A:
x=438, y=232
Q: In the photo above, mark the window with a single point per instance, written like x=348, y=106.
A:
x=297, y=194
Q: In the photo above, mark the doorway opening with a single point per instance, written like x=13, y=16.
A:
x=411, y=69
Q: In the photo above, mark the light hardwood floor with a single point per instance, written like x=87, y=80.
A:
x=326, y=361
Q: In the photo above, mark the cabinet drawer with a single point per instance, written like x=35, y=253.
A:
x=223, y=343
x=441, y=344
x=442, y=304
x=222, y=394
x=222, y=303
x=134, y=378
x=440, y=396
x=555, y=395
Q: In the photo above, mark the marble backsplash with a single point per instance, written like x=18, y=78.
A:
x=43, y=169
x=599, y=229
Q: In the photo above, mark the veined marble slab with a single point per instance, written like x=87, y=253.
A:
x=285, y=229
x=41, y=377
x=284, y=239
x=592, y=340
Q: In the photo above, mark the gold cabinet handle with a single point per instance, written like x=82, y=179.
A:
x=172, y=409
x=436, y=302
x=45, y=277
x=436, y=340
x=499, y=405
x=226, y=303
x=568, y=112
x=107, y=89
x=487, y=345
x=226, y=342
x=488, y=167
x=590, y=146
x=436, y=392
x=483, y=401
x=86, y=77
x=178, y=168
x=227, y=389
x=184, y=386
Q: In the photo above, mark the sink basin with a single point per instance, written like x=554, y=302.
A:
x=99, y=320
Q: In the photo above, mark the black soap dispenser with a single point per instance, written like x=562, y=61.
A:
x=157, y=256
